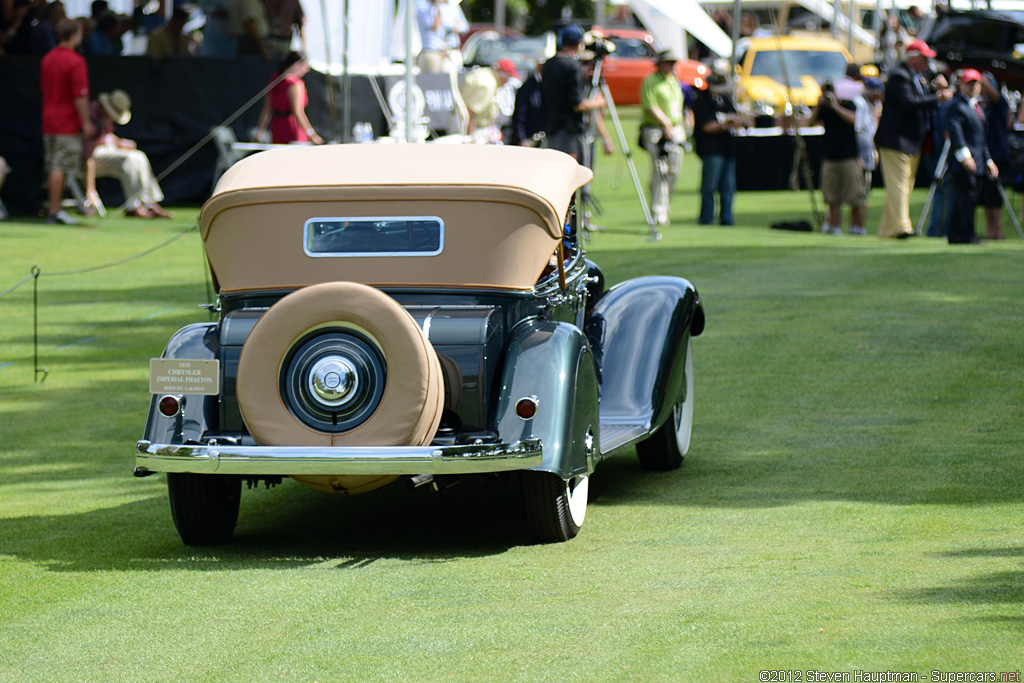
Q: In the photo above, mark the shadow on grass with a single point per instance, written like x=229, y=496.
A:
x=285, y=528
x=996, y=588
x=999, y=588
x=710, y=478
x=985, y=552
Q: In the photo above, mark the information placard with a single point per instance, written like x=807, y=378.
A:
x=181, y=376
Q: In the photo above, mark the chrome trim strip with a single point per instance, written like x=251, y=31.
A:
x=287, y=460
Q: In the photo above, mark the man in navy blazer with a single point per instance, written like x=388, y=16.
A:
x=970, y=157
x=906, y=112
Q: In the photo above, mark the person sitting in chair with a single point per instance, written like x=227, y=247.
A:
x=108, y=156
x=4, y=170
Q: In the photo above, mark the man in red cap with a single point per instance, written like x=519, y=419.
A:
x=906, y=112
x=508, y=83
x=969, y=156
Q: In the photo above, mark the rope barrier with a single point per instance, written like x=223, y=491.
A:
x=37, y=271
x=104, y=266
x=209, y=136
x=8, y=291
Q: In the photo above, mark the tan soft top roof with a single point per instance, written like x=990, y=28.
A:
x=503, y=208
x=550, y=177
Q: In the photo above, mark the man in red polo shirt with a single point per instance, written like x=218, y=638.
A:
x=65, y=85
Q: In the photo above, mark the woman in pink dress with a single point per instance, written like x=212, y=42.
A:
x=284, y=108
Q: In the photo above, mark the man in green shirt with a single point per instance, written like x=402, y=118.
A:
x=661, y=131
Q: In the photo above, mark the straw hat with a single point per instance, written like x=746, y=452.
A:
x=479, y=86
x=666, y=56
x=118, y=106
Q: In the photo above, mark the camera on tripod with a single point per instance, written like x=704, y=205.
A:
x=596, y=46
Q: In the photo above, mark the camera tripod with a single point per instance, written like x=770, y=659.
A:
x=597, y=84
x=940, y=170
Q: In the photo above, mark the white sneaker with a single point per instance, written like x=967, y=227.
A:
x=827, y=229
x=854, y=230
x=62, y=217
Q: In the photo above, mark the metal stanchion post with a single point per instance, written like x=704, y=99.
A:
x=36, y=270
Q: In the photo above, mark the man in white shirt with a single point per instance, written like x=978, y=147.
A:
x=440, y=23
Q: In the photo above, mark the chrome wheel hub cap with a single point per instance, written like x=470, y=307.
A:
x=333, y=381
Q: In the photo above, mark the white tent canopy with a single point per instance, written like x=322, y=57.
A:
x=668, y=19
x=368, y=35
x=827, y=11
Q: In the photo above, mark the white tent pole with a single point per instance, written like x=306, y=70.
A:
x=410, y=25
x=327, y=33
x=346, y=112
x=499, y=16
x=853, y=19
x=332, y=111
x=737, y=16
x=599, y=13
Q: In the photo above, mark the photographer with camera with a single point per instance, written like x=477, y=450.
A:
x=562, y=96
x=661, y=131
x=842, y=178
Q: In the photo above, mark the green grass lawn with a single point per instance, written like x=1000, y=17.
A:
x=851, y=501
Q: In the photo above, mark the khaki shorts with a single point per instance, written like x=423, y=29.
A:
x=63, y=153
x=571, y=143
x=842, y=182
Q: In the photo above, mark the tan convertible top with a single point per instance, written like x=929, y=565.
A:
x=503, y=209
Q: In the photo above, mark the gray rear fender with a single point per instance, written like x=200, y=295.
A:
x=639, y=330
x=199, y=414
x=552, y=361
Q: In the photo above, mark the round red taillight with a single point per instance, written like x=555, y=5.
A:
x=526, y=407
x=169, y=406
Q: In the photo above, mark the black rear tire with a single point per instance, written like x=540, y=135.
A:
x=204, y=506
x=659, y=453
x=555, y=509
x=664, y=450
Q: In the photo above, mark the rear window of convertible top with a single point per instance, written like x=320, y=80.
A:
x=374, y=236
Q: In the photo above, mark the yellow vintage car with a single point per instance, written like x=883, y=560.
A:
x=783, y=75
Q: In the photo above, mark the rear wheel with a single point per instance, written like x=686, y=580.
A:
x=555, y=509
x=204, y=506
x=664, y=450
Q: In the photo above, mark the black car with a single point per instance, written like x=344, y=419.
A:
x=983, y=40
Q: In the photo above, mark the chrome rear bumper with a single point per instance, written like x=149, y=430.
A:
x=286, y=461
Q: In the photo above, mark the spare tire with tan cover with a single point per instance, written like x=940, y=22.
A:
x=339, y=364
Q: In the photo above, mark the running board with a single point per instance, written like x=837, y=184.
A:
x=616, y=436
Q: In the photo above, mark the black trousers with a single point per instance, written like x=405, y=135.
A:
x=965, y=199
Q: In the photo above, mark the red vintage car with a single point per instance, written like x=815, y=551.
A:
x=633, y=61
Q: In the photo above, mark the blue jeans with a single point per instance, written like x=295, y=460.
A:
x=717, y=175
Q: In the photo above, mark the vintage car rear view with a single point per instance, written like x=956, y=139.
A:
x=417, y=312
